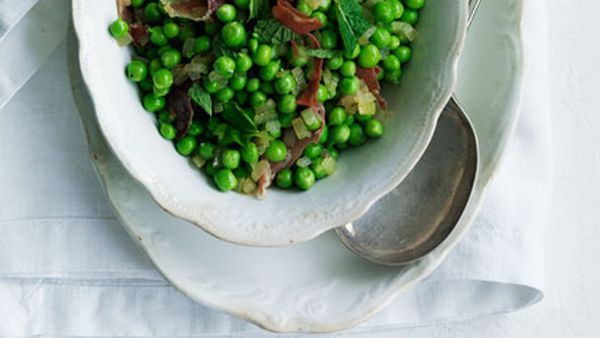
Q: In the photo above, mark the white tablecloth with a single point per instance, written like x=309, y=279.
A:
x=66, y=266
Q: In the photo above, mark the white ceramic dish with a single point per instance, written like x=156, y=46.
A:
x=364, y=175
x=316, y=286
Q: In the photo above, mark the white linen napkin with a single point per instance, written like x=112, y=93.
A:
x=67, y=268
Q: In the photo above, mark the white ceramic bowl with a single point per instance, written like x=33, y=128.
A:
x=364, y=174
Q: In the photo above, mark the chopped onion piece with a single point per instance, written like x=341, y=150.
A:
x=364, y=39
x=301, y=84
x=218, y=107
x=313, y=4
x=125, y=40
x=195, y=70
x=309, y=117
x=331, y=82
x=329, y=164
x=219, y=78
x=189, y=47
x=199, y=161
x=247, y=186
x=267, y=112
x=366, y=100
x=303, y=162
x=179, y=75
x=404, y=29
x=300, y=128
x=262, y=141
x=273, y=127
x=260, y=169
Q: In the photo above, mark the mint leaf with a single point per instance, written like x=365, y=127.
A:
x=273, y=32
x=323, y=53
x=352, y=22
x=242, y=119
x=201, y=98
x=220, y=48
x=259, y=8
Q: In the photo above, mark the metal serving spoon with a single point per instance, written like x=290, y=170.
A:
x=422, y=211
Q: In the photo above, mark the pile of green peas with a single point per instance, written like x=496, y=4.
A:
x=255, y=73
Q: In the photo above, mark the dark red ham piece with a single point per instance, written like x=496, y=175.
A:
x=123, y=10
x=369, y=76
x=139, y=33
x=293, y=19
x=198, y=10
x=180, y=105
x=308, y=98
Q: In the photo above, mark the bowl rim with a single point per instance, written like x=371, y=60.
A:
x=398, y=174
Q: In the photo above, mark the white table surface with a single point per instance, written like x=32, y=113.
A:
x=570, y=308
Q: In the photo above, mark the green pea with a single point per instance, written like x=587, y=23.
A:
x=381, y=37
x=357, y=135
x=340, y=134
x=374, y=128
x=207, y=150
x=299, y=60
x=152, y=13
x=157, y=37
x=152, y=103
x=362, y=118
x=202, y=44
x=171, y=30
x=241, y=97
x=210, y=169
x=304, y=178
x=186, y=145
x=322, y=93
x=304, y=8
x=397, y=8
x=269, y=71
x=354, y=53
x=337, y=116
x=226, y=13
x=137, y=3
x=211, y=87
x=369, y=56
x=230, y=158
x=165, y=117
x=403, y=53
x=224, y=94
x=267, y=88
x=243, y=63
x=286, y=120
x=381, y=74
x=391, y=63
x=159, y=92
x=349, y=85
x=238, y=81
x=318, y=169
x=241, y=172
x=328, y=39
x=257, y=99
x=253, y=45
x=225, y=180
x=250, y=153
x=234, y=34
x=415, y=4
x=325, y=5
x=313, y=150
x=137, y=71
x=285, y=84
x=335, y=63
x=394, y=42
x=394, y=76
x=287, y=104
x=154, y=66
x=244, y=4
x=170, y=58
x=167, y=131
x=285, y=178
x=262, y=55
x=383, y=12
x=119, y=28
x=253, y=85
x=224, y=65
x=410, y=16
x=321, y=17
x=195, y=129
x=276, y=151
x=324, y=135
x=348, y=68
x=349, y=120
x=162, y=79
x=333, y=153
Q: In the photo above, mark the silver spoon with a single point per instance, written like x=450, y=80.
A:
x=422, y=211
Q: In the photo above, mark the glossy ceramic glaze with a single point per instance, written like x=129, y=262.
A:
x=317, y=286
x=364, y=174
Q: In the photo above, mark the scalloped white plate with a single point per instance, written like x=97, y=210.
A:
x=364, y=175
x=317, y=286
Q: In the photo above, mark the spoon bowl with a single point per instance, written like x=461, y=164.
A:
x=421, y=212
